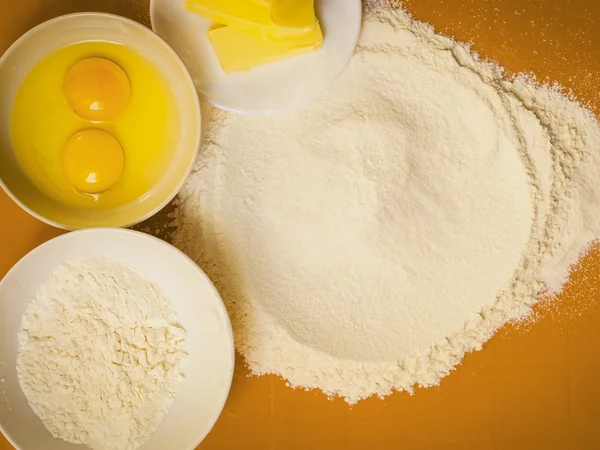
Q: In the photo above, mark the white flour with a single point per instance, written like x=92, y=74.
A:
x=100, y=355
x=366, y=242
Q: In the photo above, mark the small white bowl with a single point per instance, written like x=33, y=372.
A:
x=271, y=88
x=208, y=369
x=71, y=29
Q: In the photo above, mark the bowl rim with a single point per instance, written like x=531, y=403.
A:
x=152, y=240
x=187, y=79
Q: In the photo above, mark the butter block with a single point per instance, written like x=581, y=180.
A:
x=273, y=18
x=239, y=50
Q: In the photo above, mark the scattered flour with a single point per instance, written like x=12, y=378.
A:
x=100, y=355
x=365, y=243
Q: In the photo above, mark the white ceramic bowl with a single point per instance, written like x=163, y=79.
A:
x=50, y=36
x=208, y=369
x=271, y=88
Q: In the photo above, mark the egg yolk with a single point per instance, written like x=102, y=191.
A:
x=97, y=89
x=93, y=161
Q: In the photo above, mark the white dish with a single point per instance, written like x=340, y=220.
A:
x=208, y=369
x=71, y=29
x=271, y=88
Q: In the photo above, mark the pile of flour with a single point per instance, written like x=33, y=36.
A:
x=366, y=242
x=100, y=355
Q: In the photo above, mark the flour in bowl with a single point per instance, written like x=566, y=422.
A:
x=100, y=355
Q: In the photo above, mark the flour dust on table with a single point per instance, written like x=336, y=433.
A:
x=364, y=243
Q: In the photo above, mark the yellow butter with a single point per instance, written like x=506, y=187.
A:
x=239, y=50
x=274, y=18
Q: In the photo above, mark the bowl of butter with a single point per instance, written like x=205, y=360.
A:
x=99, y=122
x=260, y=56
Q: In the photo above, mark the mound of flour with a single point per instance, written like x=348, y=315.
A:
x=365, y=243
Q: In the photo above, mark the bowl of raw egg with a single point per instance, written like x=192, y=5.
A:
x=100, y=122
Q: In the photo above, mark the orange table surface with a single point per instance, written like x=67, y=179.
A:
x=535, y=386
